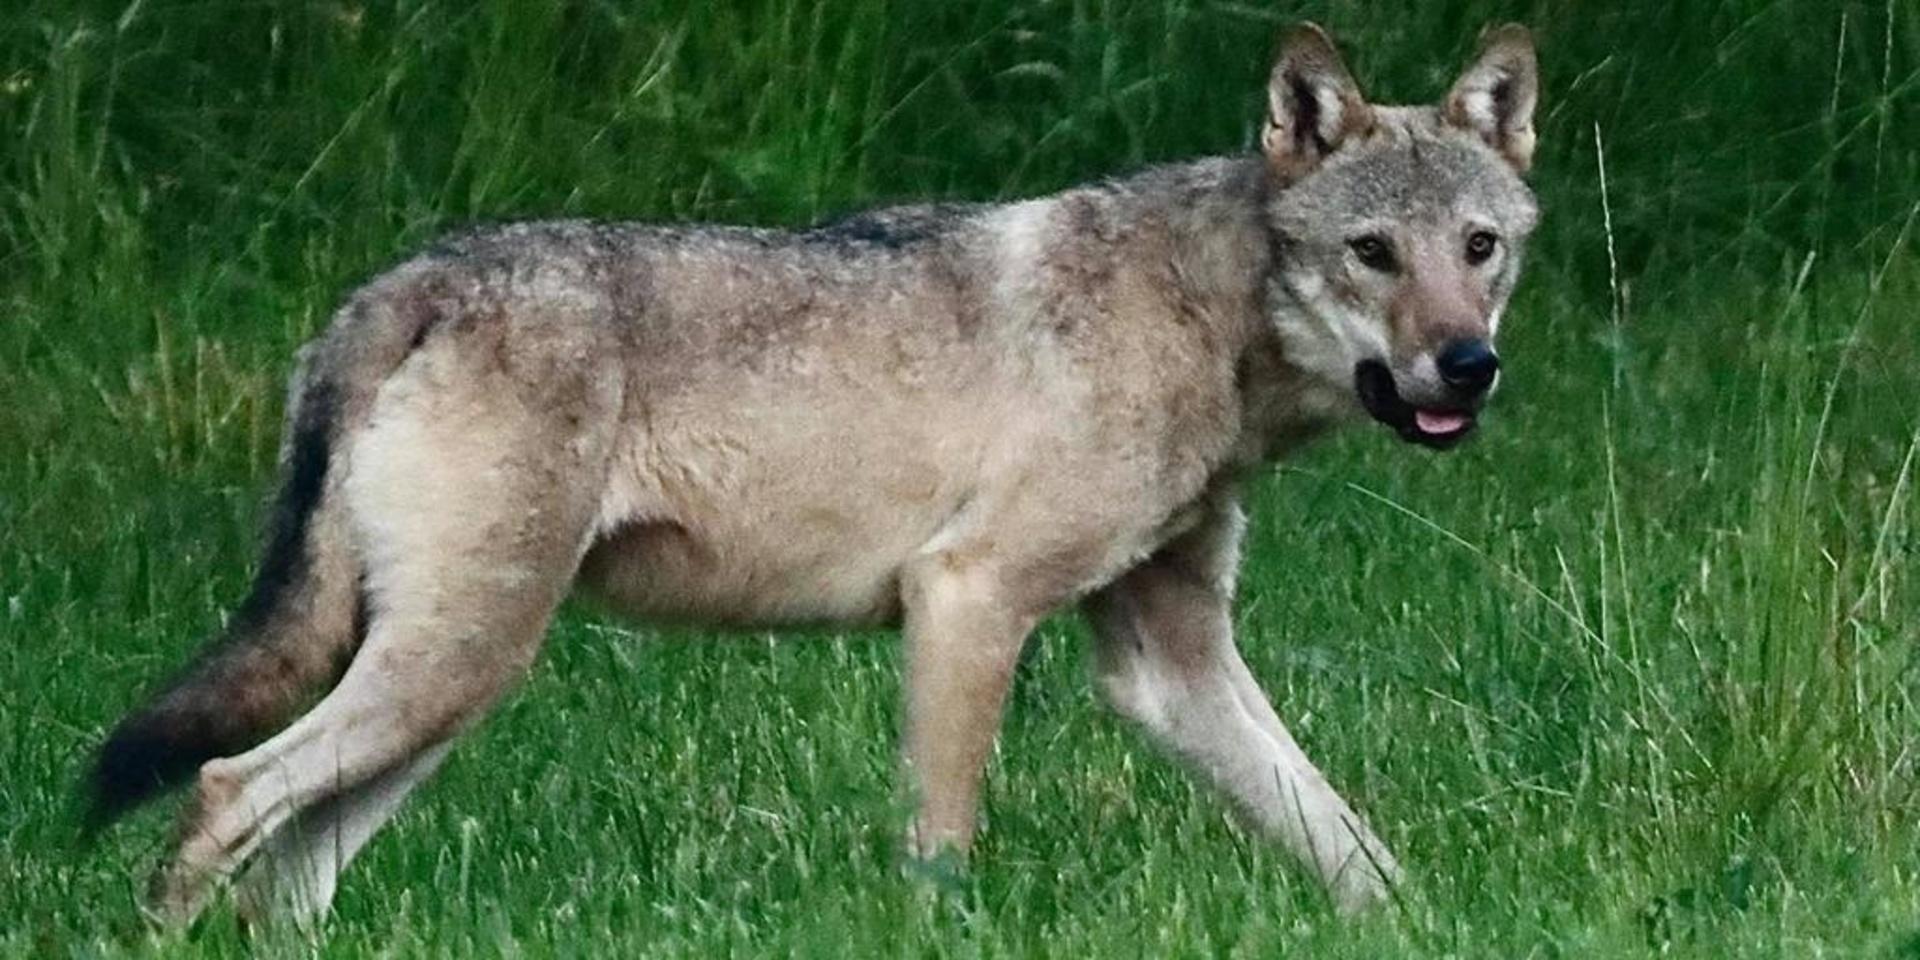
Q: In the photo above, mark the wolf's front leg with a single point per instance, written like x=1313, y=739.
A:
x=964, y=633
x=1166, y=659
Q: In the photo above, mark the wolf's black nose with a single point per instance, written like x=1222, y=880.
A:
x=1468, y=365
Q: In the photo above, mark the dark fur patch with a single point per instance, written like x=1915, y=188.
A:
x=1306, y=111
x=196, y=717
x=1503, y=104
x=285, y=560
x=362, y=613
x=890, y=229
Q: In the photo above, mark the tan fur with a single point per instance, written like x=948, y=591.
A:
x=956, y=419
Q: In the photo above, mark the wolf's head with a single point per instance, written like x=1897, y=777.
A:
x=1399, y=229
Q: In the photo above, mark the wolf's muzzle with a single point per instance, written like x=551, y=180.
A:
x=1438, y=427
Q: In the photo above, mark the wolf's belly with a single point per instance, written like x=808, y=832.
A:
x=765, y=530
x=663, y=571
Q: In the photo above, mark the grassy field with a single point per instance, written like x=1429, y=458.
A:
x=1634, y=674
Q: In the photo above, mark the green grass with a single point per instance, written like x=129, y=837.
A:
x=1632, y=675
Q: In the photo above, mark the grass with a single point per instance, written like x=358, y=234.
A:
x=1632, y=675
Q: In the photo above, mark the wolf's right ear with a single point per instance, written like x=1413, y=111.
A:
x=1313, y=105
x=1495, y=97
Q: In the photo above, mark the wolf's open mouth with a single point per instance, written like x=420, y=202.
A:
x=1436, y=427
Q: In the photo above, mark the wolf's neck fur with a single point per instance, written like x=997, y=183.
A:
x=1222, y=254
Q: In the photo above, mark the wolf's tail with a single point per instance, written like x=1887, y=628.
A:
x=292, y=637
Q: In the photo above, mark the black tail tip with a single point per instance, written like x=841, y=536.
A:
x=136, y=764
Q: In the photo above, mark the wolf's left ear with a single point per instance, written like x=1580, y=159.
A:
x=1313, y=105
x=1494, y=98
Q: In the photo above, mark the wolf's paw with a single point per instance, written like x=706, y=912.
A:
x=1365, y=882
x=178, y=894
x=940, y=871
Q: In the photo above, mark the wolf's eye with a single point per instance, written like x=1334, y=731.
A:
x=1373, y=251
x=1480, y=246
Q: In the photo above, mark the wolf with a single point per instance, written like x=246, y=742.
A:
x=954, y=418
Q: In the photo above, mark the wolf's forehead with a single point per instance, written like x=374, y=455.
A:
x=1416, y=174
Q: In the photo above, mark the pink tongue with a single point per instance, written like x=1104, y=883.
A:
x=1431, y=422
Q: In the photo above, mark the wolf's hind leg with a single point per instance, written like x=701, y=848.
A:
x=299, y=867
x=1166, y=658
x=473, y=492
